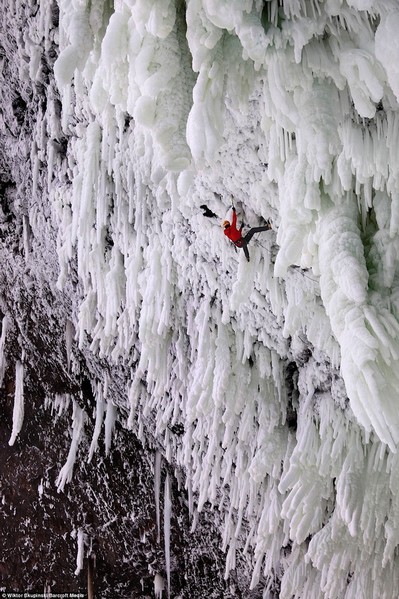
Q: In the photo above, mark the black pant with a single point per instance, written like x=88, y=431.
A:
x=248, y=236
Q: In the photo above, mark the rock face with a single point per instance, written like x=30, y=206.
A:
x=112, y=502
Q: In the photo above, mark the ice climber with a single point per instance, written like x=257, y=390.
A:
x=235, y=235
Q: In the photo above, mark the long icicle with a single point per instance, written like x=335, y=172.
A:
x=157, y=490
x=18, y=412
x=166, y=528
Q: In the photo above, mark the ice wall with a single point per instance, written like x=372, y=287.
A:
x=291, y=108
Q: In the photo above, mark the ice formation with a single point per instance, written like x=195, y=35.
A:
x=4, y=328
x=18, y=411
x=78, y=420
x=166, y=528
x=157, y=491
x=159, y=586
x=80, y=553
x=291, y=108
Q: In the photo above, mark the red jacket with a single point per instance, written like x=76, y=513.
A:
x=232, y=232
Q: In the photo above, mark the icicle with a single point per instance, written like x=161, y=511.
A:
x=18, y=412
x=80, y=555
x=99, y=420
x=190, y=497
x=65, y=475
x=157, y=489
x=110, y=418
x=133, y=398
x=166, y=529
x=69, y=335
x=59, y=404
x=230, y=558
x=5, y=324
x=159, y=586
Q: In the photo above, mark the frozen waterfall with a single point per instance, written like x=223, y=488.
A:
x=271, y=387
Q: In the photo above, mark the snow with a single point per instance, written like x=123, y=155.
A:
x=291, y=108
